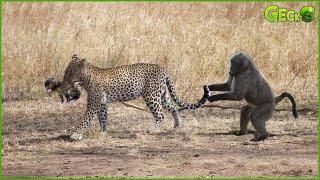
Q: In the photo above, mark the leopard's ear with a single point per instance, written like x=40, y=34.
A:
x=83, y=60
x=75, y=57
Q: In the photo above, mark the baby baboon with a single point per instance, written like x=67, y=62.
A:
x=246, y=82
x=53, y=85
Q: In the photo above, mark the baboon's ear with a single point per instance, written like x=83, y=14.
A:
x=56, y=83
x=247, y=63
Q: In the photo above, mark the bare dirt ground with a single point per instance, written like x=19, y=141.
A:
x=35, y=143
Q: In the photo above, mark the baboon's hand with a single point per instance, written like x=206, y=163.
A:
x=206, y=91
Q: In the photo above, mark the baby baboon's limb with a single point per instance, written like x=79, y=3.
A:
x=53, y=85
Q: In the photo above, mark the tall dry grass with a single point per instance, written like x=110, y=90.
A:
x=193, y=40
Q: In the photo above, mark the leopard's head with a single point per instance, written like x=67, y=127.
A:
x=75, y=72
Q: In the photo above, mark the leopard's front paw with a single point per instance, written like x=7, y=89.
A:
x=152, y=131
x=103, y=134
x=76, y=137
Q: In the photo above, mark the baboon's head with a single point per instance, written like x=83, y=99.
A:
x=239, y=64
x=51, y=84
x=74, y=72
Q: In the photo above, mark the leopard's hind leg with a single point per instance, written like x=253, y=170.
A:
x=168, y=105
x=155, y=107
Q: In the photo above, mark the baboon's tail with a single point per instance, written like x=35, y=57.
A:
x=293, y=102
x=182, y=104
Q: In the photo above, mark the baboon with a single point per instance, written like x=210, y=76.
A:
x=246, y=82
x=70, y=94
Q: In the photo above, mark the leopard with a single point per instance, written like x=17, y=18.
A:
x=122, y=83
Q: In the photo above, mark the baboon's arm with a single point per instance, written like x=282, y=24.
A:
x=225, y=96
x=219, y=87
x=226, y=86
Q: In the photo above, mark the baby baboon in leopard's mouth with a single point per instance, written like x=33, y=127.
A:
x=71, y=94
x=246, y=82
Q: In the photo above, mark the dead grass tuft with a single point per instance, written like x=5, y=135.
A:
x=193, y=40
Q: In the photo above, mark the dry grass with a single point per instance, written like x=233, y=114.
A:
x=193, y=40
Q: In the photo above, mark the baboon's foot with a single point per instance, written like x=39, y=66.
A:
x=259, y=138
x=76, y=137
x=271, y=135
x=240, y=133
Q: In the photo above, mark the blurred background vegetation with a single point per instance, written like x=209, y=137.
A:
x=193, y=40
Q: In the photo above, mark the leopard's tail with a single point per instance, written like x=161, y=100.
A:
x=180, y=103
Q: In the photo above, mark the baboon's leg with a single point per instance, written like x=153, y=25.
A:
x=155, y=107
x=258, y=118
x=167, y=104
x=103, y=119
x=244, y=118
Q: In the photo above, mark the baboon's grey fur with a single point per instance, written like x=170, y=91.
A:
x=246, y=82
